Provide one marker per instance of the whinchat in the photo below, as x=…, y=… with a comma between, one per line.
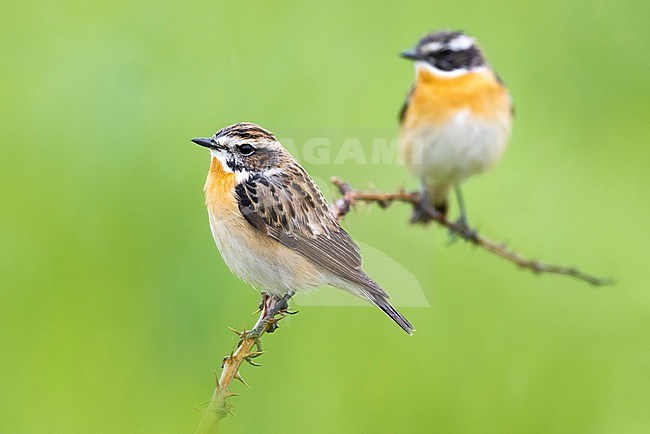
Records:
x=456, y=120
x=273, y=227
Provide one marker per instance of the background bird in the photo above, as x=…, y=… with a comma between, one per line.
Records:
x=456, y=120
x=272, y=225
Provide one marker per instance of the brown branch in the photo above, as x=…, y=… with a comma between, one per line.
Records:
x=247, y=349
x=350, y=197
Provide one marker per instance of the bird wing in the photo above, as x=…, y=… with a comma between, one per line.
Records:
x=405, y=106
x=290, y=208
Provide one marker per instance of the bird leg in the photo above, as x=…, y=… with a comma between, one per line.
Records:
x=267, y=322
x=421, y=211
x=272, y=306
x=461, y=206
x=462, y=224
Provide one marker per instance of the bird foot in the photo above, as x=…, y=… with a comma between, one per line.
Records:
x=461, y=229
x=422, y=212
x=420, y=216
x=273, y=310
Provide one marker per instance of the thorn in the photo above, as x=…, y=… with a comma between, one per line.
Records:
x=237, y=332
x=240, y=378
x=216, y=380
x=255, y=353
x=228, y=394
x=250, y=362
x=230, y=412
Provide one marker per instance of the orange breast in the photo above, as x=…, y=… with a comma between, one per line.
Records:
x=436, y=99
x=220, y=189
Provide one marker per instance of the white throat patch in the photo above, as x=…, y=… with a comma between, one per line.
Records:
x=446, y=74
x=222, y=159
x=240, y=176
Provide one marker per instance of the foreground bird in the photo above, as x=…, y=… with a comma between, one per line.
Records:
x=456, y=120
x=272, y=225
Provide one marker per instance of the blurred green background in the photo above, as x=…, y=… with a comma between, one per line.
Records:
x=115, y=302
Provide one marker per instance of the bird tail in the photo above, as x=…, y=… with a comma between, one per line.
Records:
x=389, y=310
x=373, y=292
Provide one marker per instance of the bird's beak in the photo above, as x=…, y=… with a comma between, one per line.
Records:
x=410, y=54
x=204, y=141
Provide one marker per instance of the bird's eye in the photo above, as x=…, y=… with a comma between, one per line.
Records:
x=246, y=149
x=445, y=52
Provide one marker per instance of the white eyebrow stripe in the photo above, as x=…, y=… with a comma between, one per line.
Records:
x=432, y=46
x=460, y=43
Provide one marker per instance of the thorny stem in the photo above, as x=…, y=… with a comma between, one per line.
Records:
x=350, y=197
x=248, y=347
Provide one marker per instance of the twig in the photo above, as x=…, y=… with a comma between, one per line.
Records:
x=350, y=197
x=218, y=408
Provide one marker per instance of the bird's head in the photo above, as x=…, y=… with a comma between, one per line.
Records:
x=245, y=148
x=451, y=52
